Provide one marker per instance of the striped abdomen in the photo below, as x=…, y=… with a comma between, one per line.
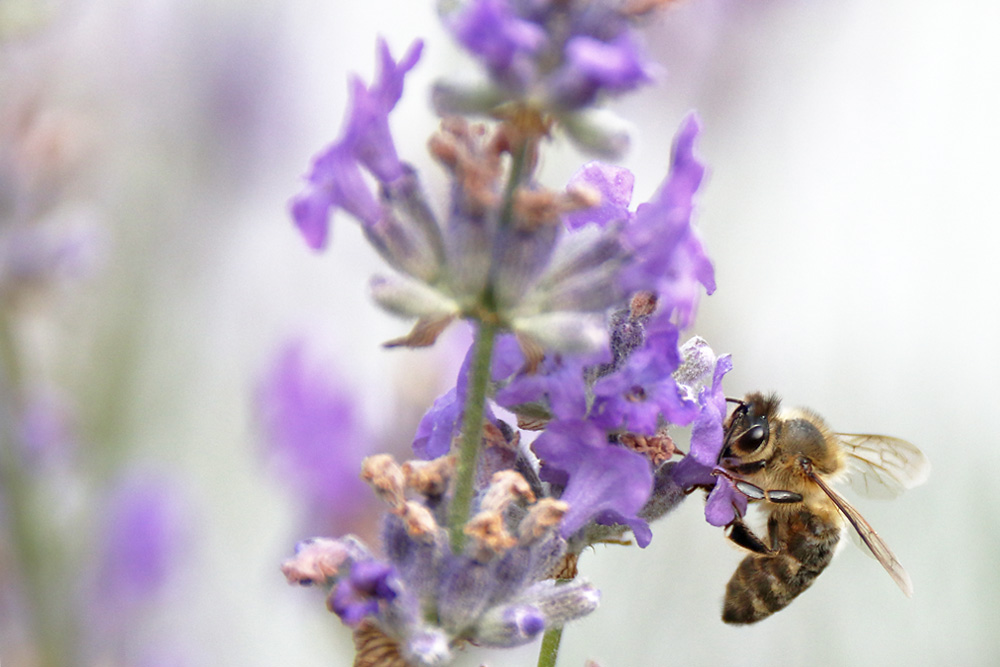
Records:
x=762, y=584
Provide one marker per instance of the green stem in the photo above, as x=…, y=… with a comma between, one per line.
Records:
x=550, y=647
x=472, y=434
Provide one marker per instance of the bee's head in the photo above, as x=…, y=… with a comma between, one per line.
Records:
x=748, y=429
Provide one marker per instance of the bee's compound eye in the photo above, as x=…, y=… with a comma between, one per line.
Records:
x=754, y=437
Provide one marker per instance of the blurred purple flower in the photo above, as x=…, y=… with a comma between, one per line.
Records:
x=336, y=180
x=314, y=433
x=38, y=254
x=145, y=522
x=45, y=426
x=504, y=41
x=603, y=482
x=559, y=55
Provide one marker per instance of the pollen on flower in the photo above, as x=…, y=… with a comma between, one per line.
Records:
x=657, y=448
x=386, y=477
x=642, y=304
x=429, y=478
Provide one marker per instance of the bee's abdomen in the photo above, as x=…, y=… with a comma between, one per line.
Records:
x=764, y=584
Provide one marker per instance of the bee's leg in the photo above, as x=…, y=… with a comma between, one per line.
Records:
x=741, y=535
x=783, y=497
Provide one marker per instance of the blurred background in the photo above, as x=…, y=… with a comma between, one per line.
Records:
x=154, y=289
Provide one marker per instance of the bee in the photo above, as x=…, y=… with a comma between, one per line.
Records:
x=785, y=460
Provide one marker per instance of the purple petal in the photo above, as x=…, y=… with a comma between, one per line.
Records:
x=491, y=30
x=724, y=503
x=599, y=478
x=593, y=66
x=335, y=179
x=615, y=186
x=438, y=427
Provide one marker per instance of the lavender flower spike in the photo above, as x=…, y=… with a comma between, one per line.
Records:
x=498, y=592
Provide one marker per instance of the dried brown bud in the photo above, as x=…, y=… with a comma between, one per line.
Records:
x=543, y=517
x=533, y=351
x=657, y=448
x=424, y=333
x=493, y=436
x=420, y=523
x=386, y=477
x=642, y=304
x=566, y=567
x=506, y=486
x=490, y=535
x=315, y=562
x=430, y=478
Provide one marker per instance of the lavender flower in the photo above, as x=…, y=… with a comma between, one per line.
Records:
x=578, y=302
x=554, y=59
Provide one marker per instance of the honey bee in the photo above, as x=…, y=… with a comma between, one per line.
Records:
x=784, y=461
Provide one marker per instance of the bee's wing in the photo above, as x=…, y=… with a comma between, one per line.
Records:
x=879, y=466
x=883, y=554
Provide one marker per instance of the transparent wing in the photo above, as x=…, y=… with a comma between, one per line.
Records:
x=878, y=548
x=879, y=466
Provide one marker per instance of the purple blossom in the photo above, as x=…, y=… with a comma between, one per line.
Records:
x=335, y=180
x=636, y=396
x=506, y=43
x=358, y=595
x=497, y=592
x=45, y=426
x=558, y=384
x=313, y=433
x=562, y=56
x=602, y=482
x=668, y=257
x=724, y=502
x=593, y=66
x=442, y=422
